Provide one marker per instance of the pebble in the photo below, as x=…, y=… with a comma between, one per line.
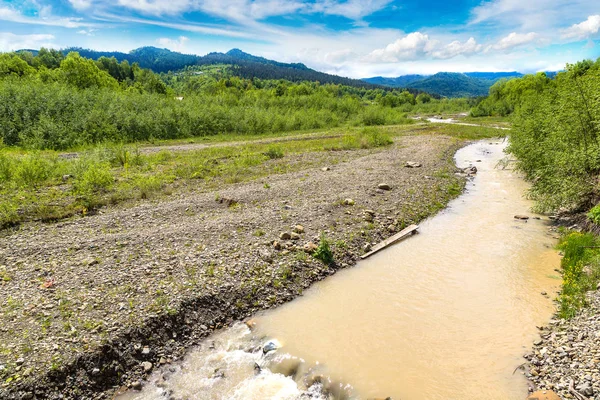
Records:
x=299, y=229
x=137, y=385
x=521, y=217
x=310, y=247
x=413, y=164
x=147, y=365
x=568, y=353
x=285, y=236
x=384, y=186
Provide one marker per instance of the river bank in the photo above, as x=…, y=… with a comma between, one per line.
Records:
x=93, y=304
x=566, y=358
x=441, y=315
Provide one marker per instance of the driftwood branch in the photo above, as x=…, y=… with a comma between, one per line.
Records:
x=575, y=393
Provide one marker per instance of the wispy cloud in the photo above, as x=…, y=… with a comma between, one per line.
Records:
x=531, y=14
x=44, y=18
x=457, y=48
x=584, y=30
x=173, y=44
x=10, y=42
x=515, y=39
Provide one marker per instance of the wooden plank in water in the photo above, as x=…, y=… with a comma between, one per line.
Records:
x=391, y=240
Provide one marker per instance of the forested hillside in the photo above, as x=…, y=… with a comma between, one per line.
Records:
x=243, y=65
x=468, y=84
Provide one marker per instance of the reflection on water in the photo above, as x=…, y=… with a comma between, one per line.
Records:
x=446, y=314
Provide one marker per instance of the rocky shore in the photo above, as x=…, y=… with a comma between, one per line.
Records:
x=92, y=305
x=566, y=358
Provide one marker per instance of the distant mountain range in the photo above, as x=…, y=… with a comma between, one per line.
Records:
x=449, y=84
x=245, y=65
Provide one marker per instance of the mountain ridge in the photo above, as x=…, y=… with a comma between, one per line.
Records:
x=448, y=84
x=246, y=65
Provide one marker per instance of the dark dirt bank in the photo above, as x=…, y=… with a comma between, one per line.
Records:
x=93, y=304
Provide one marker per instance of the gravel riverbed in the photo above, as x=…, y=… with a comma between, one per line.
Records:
x=95, y=303
x=566, y=358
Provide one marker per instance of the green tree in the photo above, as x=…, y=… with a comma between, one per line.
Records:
x=83, y=73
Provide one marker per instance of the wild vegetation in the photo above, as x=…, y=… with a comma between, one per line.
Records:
x=50, y=101
x=555, y=138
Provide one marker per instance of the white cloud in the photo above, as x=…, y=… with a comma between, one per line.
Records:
x=205, y=29
x=158, y=7
x=457, y=48
x=418, y=45
x=10, y=42
x=173, y=44
x=81, y=4
x=340, y=56
x=87, y=32
x=515, y=39
x=409, y=47
x=352, y=9
x=532, y=15
x=246, y=11
x=8, y=14
x=583, y=30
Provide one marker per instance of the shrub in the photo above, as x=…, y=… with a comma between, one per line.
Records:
x=366, y=138
x=274, y=152
x=581, y=271
x=593, y=215
x=323, y=251
x=6, y=168
x=97, y=177
x=33, y=170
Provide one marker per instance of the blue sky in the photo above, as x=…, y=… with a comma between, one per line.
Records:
x=346, y=37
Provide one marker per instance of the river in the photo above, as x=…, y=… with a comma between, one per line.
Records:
x=445, y=314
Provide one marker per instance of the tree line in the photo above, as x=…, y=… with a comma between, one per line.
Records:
x=556, y=133
x=54, y=101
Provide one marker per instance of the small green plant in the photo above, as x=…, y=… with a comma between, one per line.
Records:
x=6, y=168
x=594, y=214
x=96, y=178
x=33, y=170
x=259, y=233
x=323, y=252
x=274, y=152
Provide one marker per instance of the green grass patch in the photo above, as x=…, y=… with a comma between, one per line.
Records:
x=47, y=186
x=581, y=271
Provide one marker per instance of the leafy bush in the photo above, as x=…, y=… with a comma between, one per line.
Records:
x=323, y=251
x=32, y=170
x=6, y=168
x=556, y=136
x=366, y=138
x=97, y=177
x=274, y=152
x=594, y=214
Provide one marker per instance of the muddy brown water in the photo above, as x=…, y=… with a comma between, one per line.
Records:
x=445, y=314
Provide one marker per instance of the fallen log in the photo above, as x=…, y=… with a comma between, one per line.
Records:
x=406, y=232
